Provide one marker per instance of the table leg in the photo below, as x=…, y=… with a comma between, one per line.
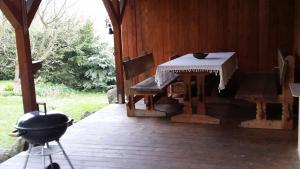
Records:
x=201, y=94
x=200, y=116
x=187, y=109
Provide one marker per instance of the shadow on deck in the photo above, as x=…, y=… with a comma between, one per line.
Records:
x=109, y=139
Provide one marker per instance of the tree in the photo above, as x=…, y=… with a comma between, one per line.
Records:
x=83, y=62
x=97, y=59
x=7, y=49
x=72, y=54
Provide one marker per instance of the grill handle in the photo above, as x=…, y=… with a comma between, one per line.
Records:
x=44, y=106
x=16, y=133
x=70, y=122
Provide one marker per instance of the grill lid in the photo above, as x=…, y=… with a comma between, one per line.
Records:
x=38, y=120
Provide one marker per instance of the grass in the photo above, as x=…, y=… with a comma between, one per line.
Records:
x=58, y=97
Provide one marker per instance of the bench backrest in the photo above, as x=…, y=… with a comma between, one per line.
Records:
x=286, y=65
x=282, y=67
x=137, y=66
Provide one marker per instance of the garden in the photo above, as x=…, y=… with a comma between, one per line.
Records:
x=78, y=68
x=75, y=104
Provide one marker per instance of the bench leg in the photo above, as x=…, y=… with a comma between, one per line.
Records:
x=262, y=122
x=260, y=110
x=148, y=101
x=132, y=111
x=130, y=106
x=287, y=121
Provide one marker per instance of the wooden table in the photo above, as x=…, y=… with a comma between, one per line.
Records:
x=295, y=89
x=187, y=66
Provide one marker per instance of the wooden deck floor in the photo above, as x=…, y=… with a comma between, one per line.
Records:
x=109, y=139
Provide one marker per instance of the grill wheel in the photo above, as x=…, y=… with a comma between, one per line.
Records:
x=53, y=166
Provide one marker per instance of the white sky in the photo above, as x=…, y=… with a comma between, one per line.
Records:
x=94, y=10
x=88, y=9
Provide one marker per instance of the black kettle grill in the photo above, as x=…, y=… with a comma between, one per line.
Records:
x=38, y=129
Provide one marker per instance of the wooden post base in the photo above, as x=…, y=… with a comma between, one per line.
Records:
x=267, y=124
x=195, y=118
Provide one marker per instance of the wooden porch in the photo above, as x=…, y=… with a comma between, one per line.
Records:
x=109, y=139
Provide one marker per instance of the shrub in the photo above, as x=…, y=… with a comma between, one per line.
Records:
x=83, y=63
x=7, y=50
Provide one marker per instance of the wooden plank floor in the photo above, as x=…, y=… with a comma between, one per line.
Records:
x=109, y=139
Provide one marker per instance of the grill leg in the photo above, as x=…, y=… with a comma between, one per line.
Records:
x=66, y=156
x=50, y=158
x=43, y=157
x=27, y=156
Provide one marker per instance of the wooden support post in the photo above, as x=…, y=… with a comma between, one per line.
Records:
x=25, y=60
x=116, y=13
x=20, y=14
x=25, y=67
x=119, y=63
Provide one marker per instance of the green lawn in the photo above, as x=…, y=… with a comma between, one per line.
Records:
x=72, y=103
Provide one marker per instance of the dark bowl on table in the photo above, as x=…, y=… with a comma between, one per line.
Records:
x=200, y=55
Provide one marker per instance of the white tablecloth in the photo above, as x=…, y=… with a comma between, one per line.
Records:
x=222, y=63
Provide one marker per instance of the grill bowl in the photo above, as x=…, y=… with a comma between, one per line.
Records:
x=38, y=128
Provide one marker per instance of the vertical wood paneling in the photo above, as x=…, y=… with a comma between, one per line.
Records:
x=125, y=34
x=174, y=26
x=132, y=38
x=264, y=34
x=193, y=26
x=203, y=25
x=232, y=25
x=139, y=25
x=158, y=31
x=297, y=30
x=252, y=28
x=217, y=12
x=167, y=30
x=248, y=35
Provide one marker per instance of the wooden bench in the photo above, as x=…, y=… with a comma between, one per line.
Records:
x=264, y=88
x=146, y=89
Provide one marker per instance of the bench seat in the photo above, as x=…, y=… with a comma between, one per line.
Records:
x=258, y=86
x=150, y=86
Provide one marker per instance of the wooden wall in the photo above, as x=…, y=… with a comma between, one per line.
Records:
x=297, y=30
x=252, y=28
x=297, y=54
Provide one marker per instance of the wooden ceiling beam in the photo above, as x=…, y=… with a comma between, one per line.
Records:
x=116, y=5
x=29, y=4
x=32, y=7
x=114, y=17
x=123, y=4
x=12, y=13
